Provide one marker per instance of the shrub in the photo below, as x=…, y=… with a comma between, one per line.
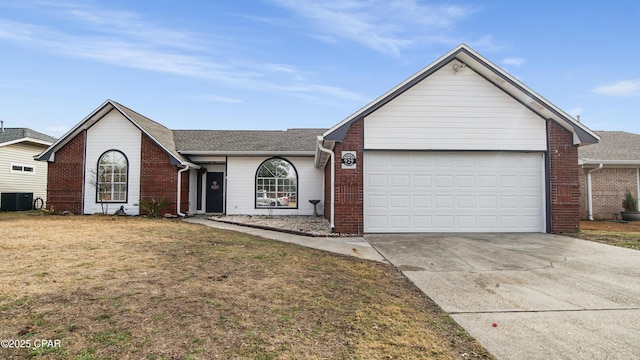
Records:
x=154, y=207
x=630, y=203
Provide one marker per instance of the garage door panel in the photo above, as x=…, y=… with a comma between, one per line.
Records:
x=458, y=191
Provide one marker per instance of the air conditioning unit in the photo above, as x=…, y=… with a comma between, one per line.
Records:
x=16, y=201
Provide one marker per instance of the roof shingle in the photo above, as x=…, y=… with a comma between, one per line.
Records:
x=11, y=134
x=246, y=140
x=613, y=145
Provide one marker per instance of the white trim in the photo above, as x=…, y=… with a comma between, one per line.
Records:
x=26, y=139
x=590, y=190
x=638, y=181
x=332, y=155
x=609, y=162
x=23, y=166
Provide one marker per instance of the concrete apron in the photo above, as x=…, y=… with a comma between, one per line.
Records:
x=551, y=297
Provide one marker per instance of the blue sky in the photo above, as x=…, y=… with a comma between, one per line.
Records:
x=277, y=64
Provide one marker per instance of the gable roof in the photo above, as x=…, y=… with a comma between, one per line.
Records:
x=10, y=136
x=489, y=71
x=238, y=142
x=615, y=147
x=161, y=135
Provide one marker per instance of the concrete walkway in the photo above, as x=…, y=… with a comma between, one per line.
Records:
x=351, y=246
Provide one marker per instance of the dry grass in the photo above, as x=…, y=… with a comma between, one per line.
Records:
x=134, y=288
x=611, y=233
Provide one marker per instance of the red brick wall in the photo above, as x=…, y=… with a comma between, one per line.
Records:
x=609, y=186
x=158, y=178
x=565, y=187
x=65, y=177
x=349, y=183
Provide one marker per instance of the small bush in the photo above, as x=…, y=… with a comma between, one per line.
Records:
x=154, y=207
x=630, y=203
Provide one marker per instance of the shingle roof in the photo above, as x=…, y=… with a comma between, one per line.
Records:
x=11, y=134
x=157, y=131
x=613, y=145
x=246, y=140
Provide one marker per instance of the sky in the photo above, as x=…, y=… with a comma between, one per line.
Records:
x=279, y=64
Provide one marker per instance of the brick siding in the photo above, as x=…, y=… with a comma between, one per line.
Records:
x=158, y=178
x=609, y=186
x=65, y=177
x=349, y=187
x=565, y=187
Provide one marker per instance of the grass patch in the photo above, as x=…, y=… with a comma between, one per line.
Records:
x=611, y=233
x=130, y=287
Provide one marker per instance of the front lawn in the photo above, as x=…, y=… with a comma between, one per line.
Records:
x=110, y=287
x=611, y=233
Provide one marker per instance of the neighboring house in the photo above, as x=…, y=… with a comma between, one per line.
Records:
x=607, y=170
x=459, y=146
x=19, y=172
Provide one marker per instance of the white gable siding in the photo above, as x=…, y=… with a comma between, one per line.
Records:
x=113, y=132
x=22, y=154
x=454, y=111
x=241, y=191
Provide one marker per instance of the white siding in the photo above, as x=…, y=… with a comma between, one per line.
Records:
x=22, y=154
x=453, y=192
x=193, y=190
x=241, y=172
x=454, y=111
x=113, y=132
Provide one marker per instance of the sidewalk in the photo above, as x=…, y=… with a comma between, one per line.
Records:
x=351, y=246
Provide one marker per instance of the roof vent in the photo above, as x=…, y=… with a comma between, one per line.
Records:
x=1, y=125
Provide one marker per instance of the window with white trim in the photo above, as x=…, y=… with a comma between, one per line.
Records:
x=19, y=168
x=111, y=185
x=276, y=184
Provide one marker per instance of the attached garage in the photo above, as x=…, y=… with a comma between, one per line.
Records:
x=453, y=191
x=460, y=146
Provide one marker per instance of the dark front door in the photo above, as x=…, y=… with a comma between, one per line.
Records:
x=215, y=192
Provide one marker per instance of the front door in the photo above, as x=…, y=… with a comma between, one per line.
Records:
x=215, y=192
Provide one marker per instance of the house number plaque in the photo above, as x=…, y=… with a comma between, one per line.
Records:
x=348, y=159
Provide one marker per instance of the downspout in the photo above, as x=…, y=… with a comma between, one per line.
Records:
x=590, y=190
x=332, y=155
x=186, y=167
x=638, y=180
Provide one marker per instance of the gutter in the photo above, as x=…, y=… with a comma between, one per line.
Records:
x=247, y=153
x=590, y=190
x=333, y=181
x=187, y=166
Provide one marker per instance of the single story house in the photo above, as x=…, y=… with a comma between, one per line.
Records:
x=20, y=174
x=607, y=170
x=459, y=146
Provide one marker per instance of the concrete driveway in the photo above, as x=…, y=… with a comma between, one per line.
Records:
x=552, y=297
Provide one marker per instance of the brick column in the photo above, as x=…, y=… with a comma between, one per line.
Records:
x=349, y=186
x=565, y=187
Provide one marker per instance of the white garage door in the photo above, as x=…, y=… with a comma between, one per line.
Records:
x=453, y=192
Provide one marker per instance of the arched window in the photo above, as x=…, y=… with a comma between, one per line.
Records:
x=112, y=177
x=276, y=184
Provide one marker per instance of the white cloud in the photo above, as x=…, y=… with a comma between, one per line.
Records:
x=385, y=26
x=132, y=41
x=623, y=88
x=513, y=61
